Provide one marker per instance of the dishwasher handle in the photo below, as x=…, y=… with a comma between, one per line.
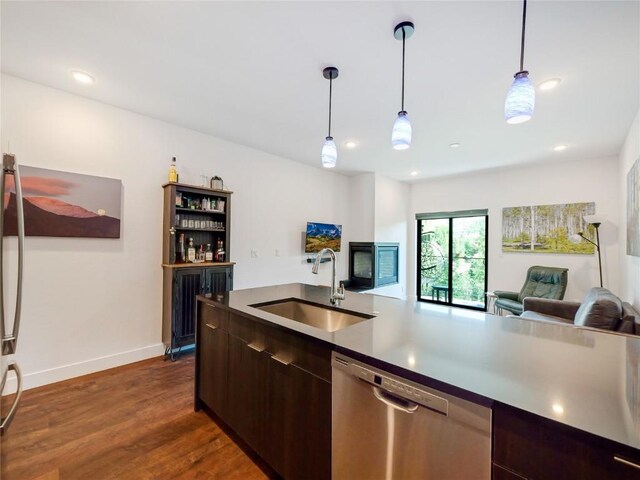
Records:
x=393, y=401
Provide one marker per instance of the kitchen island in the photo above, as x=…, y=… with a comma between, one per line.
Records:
x=541, y=380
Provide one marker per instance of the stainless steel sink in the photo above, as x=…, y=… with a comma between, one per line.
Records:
x=319, y=316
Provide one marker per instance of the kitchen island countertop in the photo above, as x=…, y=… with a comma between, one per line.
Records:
x=579, y=377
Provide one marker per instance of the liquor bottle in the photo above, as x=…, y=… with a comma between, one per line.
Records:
x=201, y=254
x=208, y=255
x=181, y=252
x=173, y=171
x=220, y=251
x=191, y=252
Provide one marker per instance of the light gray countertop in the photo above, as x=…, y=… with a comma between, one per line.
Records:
x=583, y=378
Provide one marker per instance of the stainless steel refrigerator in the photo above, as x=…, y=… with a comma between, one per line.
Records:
x=8, y=332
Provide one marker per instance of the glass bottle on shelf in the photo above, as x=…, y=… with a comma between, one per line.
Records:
x=181, y=253
x=219, y=256
x=173, y=171
x=208, y=254
x=191, y=251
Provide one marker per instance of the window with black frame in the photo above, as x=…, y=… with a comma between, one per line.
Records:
x=452, y=258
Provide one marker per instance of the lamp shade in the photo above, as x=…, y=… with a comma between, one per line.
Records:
x=521, y=99
x=329, y=153
x=401, y=134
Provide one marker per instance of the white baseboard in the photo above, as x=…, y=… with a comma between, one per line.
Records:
x=65, y=372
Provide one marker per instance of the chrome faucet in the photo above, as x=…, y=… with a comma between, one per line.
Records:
x=336, y=294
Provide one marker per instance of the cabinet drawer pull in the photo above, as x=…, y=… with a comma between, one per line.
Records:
x=257, y=348
x=212, y=327
x=626, y=462
x=280, y=360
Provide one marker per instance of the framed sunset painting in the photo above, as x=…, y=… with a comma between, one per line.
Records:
x=63, y=204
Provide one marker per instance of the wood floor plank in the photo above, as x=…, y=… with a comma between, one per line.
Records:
x=132, y=422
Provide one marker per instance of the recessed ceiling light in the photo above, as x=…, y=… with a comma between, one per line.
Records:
x=454, y=145
x=560, y=148
x=550, y=84
x=351, y=144
x=414, y=173
x=82, y=77
x=557, y=408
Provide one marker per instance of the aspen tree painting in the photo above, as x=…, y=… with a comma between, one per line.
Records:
x=547, y=228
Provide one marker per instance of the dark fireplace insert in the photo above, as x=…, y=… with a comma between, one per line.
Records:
x=372, y=264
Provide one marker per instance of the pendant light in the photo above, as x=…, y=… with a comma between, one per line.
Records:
x=401, y=134
x=329, y=151
x=521, y=99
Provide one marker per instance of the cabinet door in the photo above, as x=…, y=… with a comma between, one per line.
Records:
x=537, y=448
x=218, y=279
x=212, y=366
x=246, y=395
x=188, y=284
x=298, y=441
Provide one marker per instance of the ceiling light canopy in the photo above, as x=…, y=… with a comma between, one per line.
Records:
x=560, y=148
x=549, y=84
x=329, y=150
x=521, y=99
x=414, y=173
x=401, y=134
x=82, y=77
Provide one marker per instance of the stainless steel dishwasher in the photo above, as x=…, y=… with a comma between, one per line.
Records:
x=386, y=427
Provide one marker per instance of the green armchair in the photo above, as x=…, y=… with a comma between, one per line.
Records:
x=541, y=282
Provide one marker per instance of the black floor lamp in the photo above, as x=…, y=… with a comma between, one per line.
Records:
x=596, y=225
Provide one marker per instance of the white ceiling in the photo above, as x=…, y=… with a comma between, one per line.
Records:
x=251, y=72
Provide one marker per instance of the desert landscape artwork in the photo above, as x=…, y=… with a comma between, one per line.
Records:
x=63, y=204
x=547, y=228
x=633, y=210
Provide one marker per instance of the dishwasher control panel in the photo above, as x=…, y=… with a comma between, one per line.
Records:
x=395, y=386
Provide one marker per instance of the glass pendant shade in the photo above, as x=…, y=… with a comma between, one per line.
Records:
x=329, y=153
x=401, y=134
x=521, y=99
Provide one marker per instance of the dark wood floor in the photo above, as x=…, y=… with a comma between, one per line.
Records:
x=132, y=422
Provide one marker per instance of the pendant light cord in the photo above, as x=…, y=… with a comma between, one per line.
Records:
x=403, y=40
x=330, y=94
x=524, y=22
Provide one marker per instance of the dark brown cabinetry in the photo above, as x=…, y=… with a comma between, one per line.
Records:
x=531, y=447
x=207, y=224
x=247, y=384
x=299, y=418
x=277, y=391
x=213, y=357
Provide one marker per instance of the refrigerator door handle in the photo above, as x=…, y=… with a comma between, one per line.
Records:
x=2, y=180
x=6, y=421
x=10, y=167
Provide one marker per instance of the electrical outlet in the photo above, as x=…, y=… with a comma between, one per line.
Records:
x=254, y=254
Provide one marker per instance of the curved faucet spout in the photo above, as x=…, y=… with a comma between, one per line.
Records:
x=321, y=254
x=335, y=294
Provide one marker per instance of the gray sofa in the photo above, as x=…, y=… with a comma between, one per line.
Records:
x=600, y=309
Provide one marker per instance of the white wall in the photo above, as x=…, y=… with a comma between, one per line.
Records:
x=593, y=180
x=391, y=206
x=629, y=265
x=362, y=195
x=91, y=304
